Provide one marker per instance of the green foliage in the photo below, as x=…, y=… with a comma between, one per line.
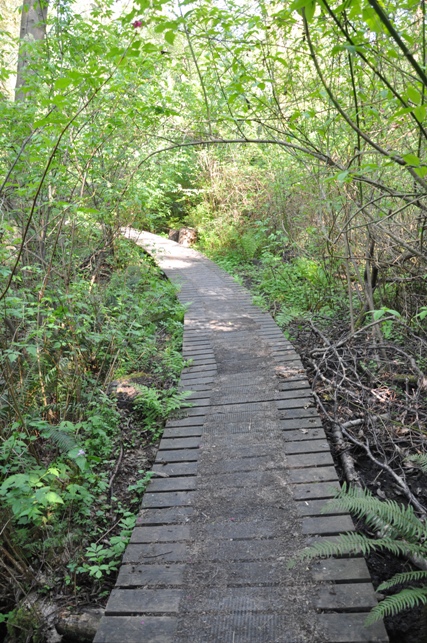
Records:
x=402, y=534
x=60, y=430
x=103, y=560
x=156, y=406
x=295, y=289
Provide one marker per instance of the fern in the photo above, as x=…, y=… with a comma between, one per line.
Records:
x=64, y=441
x=402, y=533
x=403, y=578
x=421, y=460
x=353, y=543
x=390, y=605
x=389, y=517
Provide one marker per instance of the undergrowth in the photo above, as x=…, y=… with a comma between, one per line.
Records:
x=61, y=432
x=289, y=286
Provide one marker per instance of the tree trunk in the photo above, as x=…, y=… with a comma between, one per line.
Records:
x=33, y=28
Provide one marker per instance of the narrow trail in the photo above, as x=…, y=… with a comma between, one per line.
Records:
x=241, y=478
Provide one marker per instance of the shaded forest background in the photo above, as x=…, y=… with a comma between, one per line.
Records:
x=292, y=137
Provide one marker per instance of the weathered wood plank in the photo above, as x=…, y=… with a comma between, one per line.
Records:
x=167, y=499
x=183, y=431
x=350, y=628
x=172, y=484
x=296, y=403
x=179, y=443
x=317, y=459
x=165, y=516
x=297, y=413
x=164, y=533
x=283, y=393
x=317, y=490
x=315, y=474
x=133, y=629
x=351, y=597
x=141, y=601
x=327, y=525
x=178, y=455
x=190, y=421
x=150, y=575
x=340, y=570
x=298, y=435
x=301, y=423
x=157, y=553
x=317, y=508
x=176, y=468
x=306, y=446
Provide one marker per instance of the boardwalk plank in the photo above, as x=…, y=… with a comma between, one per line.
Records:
x=165, y=533
x=167, y=499
x=165, y=516
x=350, y=597
x=176, y=469
x=306, y=446
x=157, y=553
x=315, y=474
x=178, y=455
x=327, y=525
x=181, y=483
x=133, y=629
x=317, y=459
x=340, y=570
x=142, y=601
x=349, y=628
x=151, y=575
x=179, y=443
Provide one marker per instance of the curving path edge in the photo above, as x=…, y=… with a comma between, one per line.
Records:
x=240, y=480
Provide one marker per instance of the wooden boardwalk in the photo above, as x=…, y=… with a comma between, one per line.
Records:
x=241, y=479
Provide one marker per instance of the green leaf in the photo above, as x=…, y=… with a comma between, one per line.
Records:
x=53, y=498
x=342, y=176
x=377, y=314
x=299, y=4
x=372, y=20
x=170, y=37
x=337, y=49
x=413, y=95
x=63, y=83
x=420, y=112
x=411, y=159
x=309, y=10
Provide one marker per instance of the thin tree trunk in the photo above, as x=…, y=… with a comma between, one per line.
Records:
x=33, y=27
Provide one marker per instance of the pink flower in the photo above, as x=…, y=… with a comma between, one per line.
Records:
x=136, y=24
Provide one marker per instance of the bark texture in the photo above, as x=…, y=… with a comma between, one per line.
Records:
x=33, y=28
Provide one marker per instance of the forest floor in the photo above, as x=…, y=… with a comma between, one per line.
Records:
x=390, y=397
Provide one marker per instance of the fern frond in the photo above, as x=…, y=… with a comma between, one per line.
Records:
x=354, y=543
x=350, y=543
x=406, y=599
x=64, y=441
x=403, y=578
x=421, y=460
x=395, y=519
